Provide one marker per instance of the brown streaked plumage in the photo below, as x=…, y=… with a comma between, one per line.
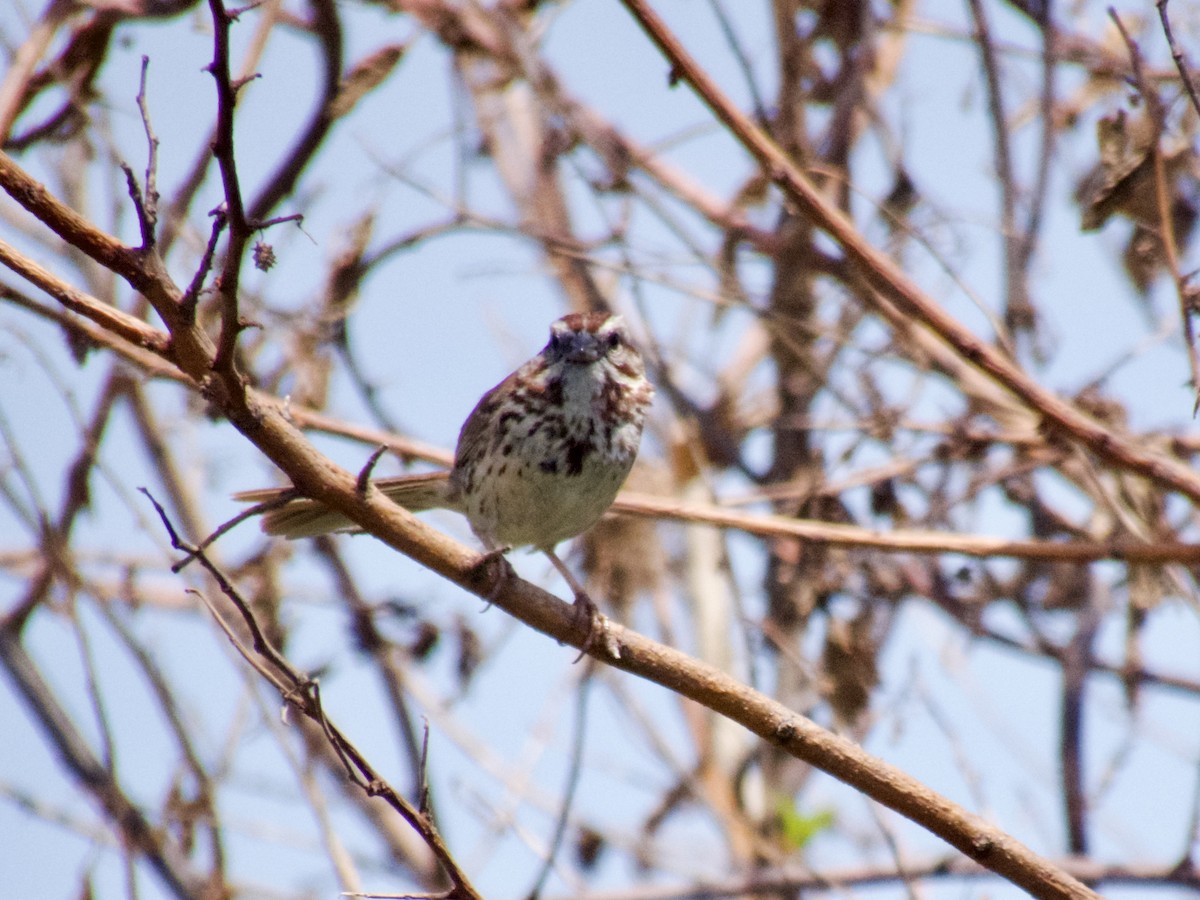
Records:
x=541, y=456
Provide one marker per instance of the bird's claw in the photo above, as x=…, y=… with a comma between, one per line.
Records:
x=597, y=628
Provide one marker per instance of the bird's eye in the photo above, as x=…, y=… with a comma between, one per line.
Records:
x=614, y=340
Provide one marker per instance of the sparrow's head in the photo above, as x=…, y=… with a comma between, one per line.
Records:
x=587, y=338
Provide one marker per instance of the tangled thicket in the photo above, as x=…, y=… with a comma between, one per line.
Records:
x=916, y=296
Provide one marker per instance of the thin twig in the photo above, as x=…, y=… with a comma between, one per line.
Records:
x=262, y=645
x=326, y=28
x=148, y=213
x=1181, y=62
x=302, y=694
x=223, y=150
x=575, y=767
x=1163, y=199
x=1018, y=311
x=227, y=526
x=904, y=540
x=298, y=218
x=191, y=296
x=363, y=481
x=1076, y=661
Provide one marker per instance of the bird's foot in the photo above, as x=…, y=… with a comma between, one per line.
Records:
x=597, y=628
x=597, y=625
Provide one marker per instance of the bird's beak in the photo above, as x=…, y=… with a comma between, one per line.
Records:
x=584, y=349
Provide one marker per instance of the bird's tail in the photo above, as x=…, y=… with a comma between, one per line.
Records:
x=303, y=518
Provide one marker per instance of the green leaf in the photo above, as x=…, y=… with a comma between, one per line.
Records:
x=798, y=829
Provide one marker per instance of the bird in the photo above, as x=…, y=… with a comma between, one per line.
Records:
x=540, y=458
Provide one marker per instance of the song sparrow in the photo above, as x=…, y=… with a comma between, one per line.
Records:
x=541, y=456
